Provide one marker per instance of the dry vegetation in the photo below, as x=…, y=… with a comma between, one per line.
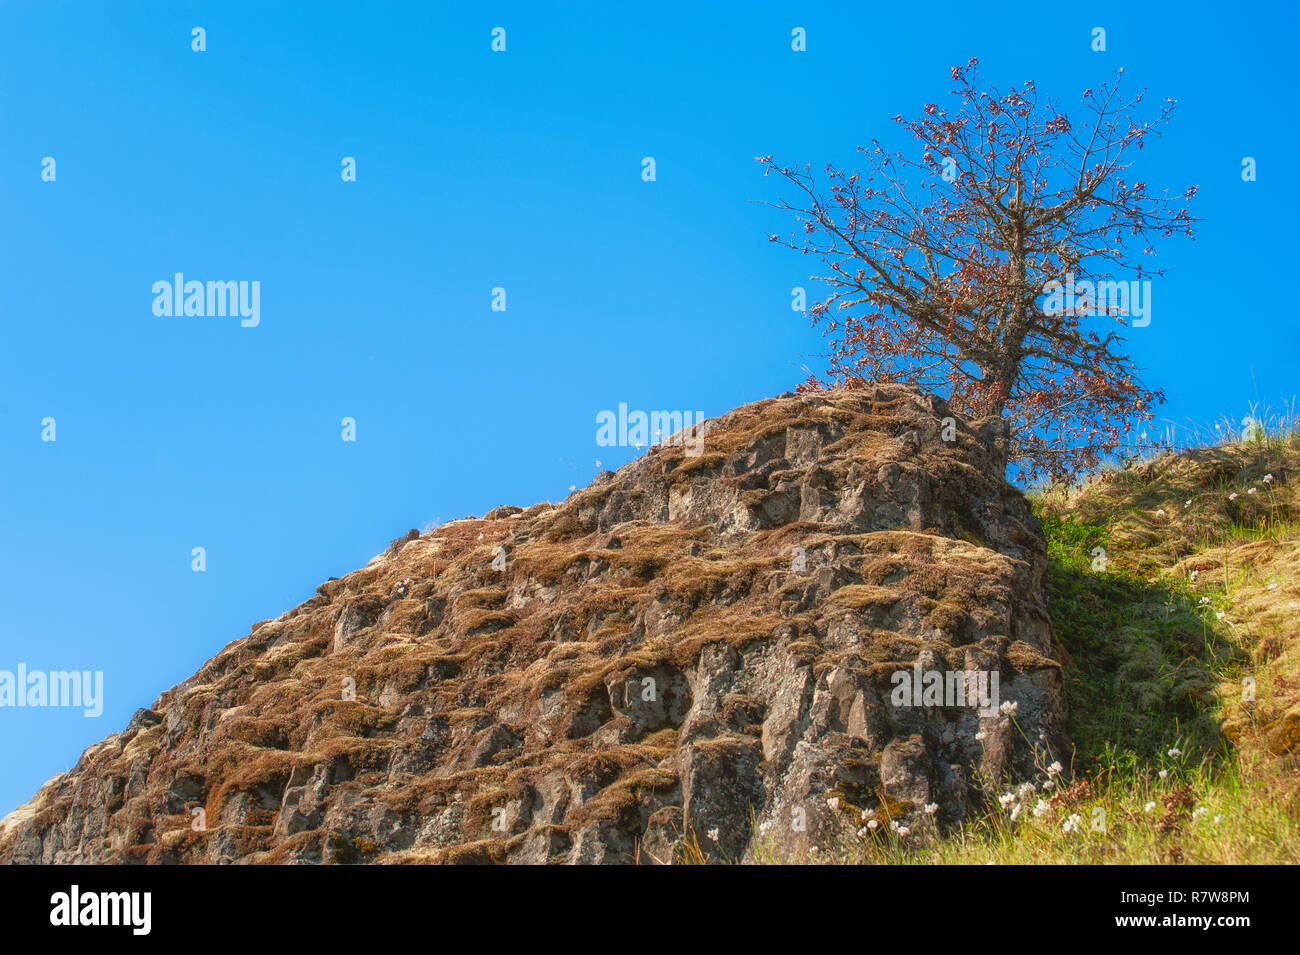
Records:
x=428, y=689
x=1175, y=599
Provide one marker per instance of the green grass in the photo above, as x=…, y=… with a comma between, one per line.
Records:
x=1190, y=816
x=1143, y=658
x=1152, y=658
x=1168, y=582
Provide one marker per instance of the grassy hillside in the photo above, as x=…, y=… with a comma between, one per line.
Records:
x=1175, y=600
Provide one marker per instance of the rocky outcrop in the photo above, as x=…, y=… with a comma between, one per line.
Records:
x=697, y=656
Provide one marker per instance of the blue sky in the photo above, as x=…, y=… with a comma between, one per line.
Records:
x=478, y=170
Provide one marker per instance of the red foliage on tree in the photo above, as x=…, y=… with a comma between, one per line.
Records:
x=942, y=280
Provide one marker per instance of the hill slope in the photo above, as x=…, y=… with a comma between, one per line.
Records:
x=692, y=658
x=1175, y=599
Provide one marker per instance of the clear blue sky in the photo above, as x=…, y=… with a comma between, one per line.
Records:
x=475, y=170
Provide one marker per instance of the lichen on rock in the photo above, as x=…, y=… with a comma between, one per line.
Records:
x=697, y=652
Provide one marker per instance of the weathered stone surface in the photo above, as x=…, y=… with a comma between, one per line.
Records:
x=695, y=651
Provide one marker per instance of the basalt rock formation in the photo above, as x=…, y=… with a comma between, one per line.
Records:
x=696, y=656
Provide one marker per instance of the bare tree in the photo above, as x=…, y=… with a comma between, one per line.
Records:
x=1000, y=273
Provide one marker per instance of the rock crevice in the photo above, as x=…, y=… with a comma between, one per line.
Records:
x=699, y=652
